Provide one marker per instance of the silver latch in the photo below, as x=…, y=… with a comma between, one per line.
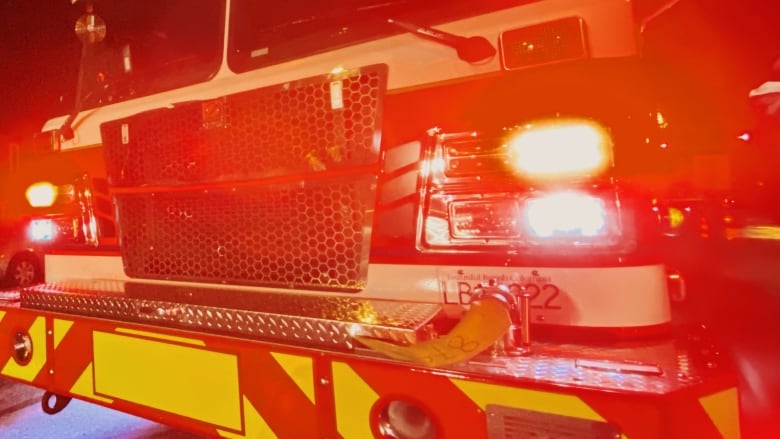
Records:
x=517, y=340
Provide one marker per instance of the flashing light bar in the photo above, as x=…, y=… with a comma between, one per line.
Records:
x=560, y=149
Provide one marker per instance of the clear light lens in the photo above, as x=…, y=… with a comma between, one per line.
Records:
x=42, y=230
x=566, y=214
x=560, y=149
x=432, y=166
x=437, y=231
x=485, y=219
x=405, y=420
x=41, y=194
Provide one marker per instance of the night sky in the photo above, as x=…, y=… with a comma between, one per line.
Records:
x=39, y=54
x=715, y=50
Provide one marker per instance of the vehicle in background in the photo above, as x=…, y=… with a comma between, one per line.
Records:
x=33, y=215
x=21, y=258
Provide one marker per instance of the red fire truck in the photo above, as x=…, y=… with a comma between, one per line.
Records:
x=395, y=219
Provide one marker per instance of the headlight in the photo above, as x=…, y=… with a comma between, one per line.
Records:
x=545, y=218
x=41, y=194
x=532, y=188
x=496, y=219
x=45, y=194
x=42, y=230
x=560, y=149
x=566, y=214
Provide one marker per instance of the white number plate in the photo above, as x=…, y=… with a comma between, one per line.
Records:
x=546, y=296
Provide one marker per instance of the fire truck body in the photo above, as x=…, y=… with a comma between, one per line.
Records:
x=629, y=288
x=346, y=221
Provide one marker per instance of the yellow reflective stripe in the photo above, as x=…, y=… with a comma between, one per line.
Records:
x=61, y=328
x=29, y=371
x=354, y=399
x=184, y=340
x=300, y=369
x=546, y=402
x=84, y=386
x=256, y=426
x=723, y=409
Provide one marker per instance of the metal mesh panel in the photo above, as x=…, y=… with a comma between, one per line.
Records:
x=311, y=125
x=273, y=235
x=273, y=186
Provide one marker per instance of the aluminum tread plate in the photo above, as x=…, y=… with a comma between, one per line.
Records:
x=312, y=320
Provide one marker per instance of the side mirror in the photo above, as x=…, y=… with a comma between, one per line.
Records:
x=766, y=97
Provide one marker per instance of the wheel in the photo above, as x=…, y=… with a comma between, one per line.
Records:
x=24, y=270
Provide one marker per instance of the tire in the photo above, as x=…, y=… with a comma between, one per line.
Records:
x=23, y=270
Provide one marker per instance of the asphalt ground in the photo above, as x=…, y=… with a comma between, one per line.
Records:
x=15, y=396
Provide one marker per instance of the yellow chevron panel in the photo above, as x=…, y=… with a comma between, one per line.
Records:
x=29, y=371
x=256, y=427
x=536, y=400
x=61, y=328
x=546, y=402
x=723, y=409
x=354, y=399
x=300, y=369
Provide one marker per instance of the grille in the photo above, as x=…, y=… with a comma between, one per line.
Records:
x=513, y=423
x=270, y=235
x=284, y=129
x=272, y=187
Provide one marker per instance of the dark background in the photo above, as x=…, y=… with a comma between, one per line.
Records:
x=713, y=51
x=39, y=55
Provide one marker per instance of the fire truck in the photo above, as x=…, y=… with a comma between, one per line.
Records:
x=395, y=219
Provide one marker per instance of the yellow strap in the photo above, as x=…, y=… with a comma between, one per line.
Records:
x=486, y=321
